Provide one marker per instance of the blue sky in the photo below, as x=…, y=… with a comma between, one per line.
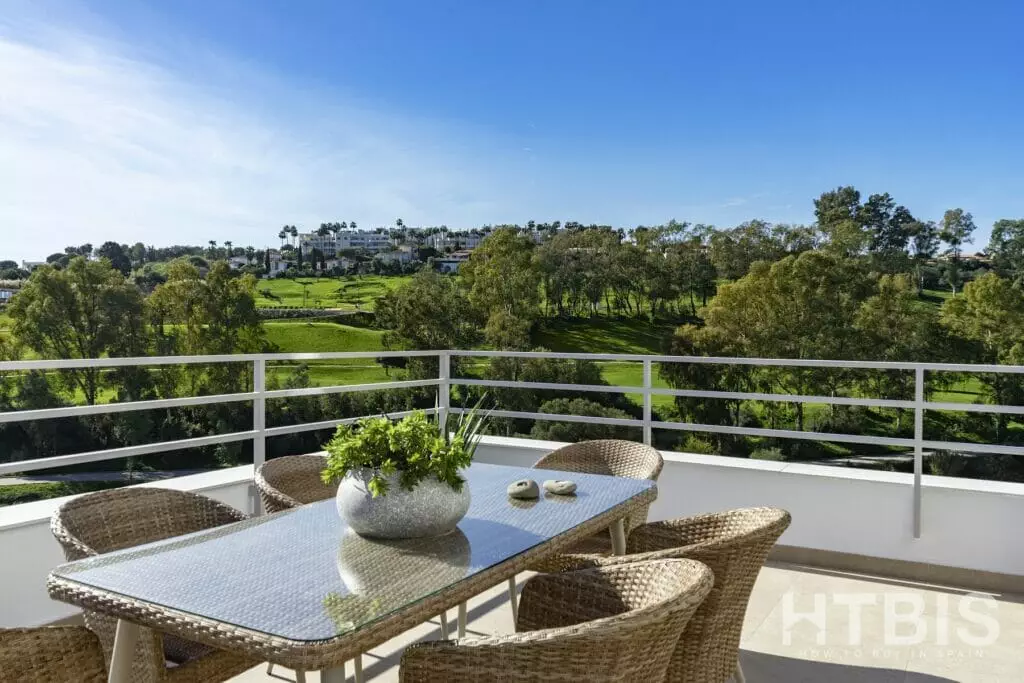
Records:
x=179, y=122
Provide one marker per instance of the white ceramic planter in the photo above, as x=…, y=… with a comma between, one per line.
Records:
x=431, y=509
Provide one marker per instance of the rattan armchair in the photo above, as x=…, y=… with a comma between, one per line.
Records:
x=53, y=654
x=611, y=457
x=735, y=545
x=121, y=518
x=605, y=456
x=618, y=623
x=293, y=480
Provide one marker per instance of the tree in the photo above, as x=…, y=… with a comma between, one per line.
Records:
x=800, y=307
x=115, y=253
x=507, y=332
x=8, y=265
x=428, y=312
x=1006, y=247
x=500, y=276
x=227, y=248
x=574, y=432
x=192, y=315
x=840, y=220
x=990, y=315
x=957, y=229
x=86, y=310
x=732, y=252
x=894, y=325
x=888, y=227
x=924, y=244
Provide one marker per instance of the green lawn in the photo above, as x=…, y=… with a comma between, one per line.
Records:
x=300, y=336
x=320, y=337
x=604, y=335
x=350, y=292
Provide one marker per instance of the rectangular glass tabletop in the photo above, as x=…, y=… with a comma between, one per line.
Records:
x=303, y=575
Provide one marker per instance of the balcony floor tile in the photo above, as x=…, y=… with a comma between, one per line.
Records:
x=880, y=653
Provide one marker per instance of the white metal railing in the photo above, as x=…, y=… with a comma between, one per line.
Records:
x=445, y=381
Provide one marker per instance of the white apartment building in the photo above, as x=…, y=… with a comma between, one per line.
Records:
x=366, y=240
x=455, y=239
x=326, y=244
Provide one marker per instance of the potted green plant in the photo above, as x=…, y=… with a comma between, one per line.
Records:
x=402, y=479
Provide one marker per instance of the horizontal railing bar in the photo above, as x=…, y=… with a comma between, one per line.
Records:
x=975, y=408
x=557, y=417
x=328, y=424
x=977, y=447
x=79, y=363
x=732, y=360
x=125, y=452
x=345, y=388
x=785, y=398
x=509, y=384
x=786, y=434
x=135, y=361
x=122, y=407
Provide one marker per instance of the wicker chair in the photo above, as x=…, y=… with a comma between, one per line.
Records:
x=121, y=518
x=54, y=654
x=735, y=545
x=617, y=623
x=292, y=480
x=606, y=456
x=612, y=457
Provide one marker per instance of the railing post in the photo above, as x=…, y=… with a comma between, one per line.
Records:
x=918, y=445
x=647, y=402
x=444, y=391
x=259, y=424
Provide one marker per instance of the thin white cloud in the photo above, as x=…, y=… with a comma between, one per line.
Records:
x=97, y=143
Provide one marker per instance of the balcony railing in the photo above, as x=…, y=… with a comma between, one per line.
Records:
x=445, y=381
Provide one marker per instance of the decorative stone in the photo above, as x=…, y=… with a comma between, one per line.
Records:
x=524, y=489
x=560, y=487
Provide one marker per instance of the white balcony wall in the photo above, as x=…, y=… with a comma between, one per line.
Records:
x=30, y=551
x=966, y=524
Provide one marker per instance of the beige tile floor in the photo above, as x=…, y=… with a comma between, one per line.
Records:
x=806, y=625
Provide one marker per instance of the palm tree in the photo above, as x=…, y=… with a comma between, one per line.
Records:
x=213, y=248
x=227, y=245
x=283, y=234
x=352, y=225
x=399, y=224
x=295, y=235
x=344, y=226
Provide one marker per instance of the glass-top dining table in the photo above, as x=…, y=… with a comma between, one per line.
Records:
x=299, y=588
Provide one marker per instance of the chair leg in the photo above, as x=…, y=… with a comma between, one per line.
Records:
x=740, y=678
x=335, y=675
x=300, y=676
x=463, y=617
x=358, y=664
x=512, y=595
x=270, y=669
x=444, y=626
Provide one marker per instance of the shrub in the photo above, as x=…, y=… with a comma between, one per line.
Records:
x=413, y=447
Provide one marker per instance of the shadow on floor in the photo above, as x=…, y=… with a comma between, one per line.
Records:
x=766, y=668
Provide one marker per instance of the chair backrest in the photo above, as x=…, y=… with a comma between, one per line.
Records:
x=121, y=518
x=735, y=545
x=612, y=457
x=293, y=480
x=55, y=654
x=618, y=623
x=105, y=521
